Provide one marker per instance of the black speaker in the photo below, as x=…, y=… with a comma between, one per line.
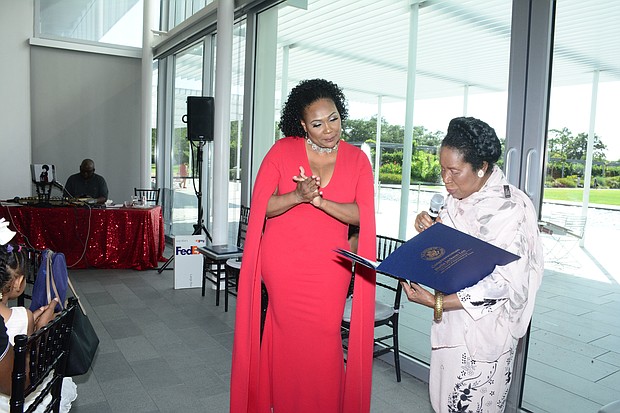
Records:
x=200, y=116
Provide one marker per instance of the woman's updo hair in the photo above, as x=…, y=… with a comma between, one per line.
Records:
x=304, y=94
x=475, y=140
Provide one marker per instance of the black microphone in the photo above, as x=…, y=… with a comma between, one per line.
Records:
x=436, y=204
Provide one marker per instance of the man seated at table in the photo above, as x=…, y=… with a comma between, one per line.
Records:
x=87, y=184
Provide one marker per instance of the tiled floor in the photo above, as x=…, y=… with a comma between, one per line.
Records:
x=166, y=350
x=169, y=350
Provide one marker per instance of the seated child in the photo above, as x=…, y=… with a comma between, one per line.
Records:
x=20, y=320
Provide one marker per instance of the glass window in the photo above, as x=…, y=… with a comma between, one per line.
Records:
x=154, y=154
x=573, y=357
x=236, y=117
x=462, y=58
x=188, y=69
x=181, y=10
x=117, y=22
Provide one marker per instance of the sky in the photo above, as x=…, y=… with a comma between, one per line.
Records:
x=569, y=107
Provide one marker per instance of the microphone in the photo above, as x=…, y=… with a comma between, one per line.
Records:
x=436, y=204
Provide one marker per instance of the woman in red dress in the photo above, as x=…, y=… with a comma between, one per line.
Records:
x=309, y=188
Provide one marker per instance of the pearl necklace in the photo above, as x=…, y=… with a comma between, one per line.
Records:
x=322, y=149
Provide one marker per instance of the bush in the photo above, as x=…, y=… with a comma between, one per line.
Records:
x=549, y=181
x=391, y=168
x=612, y=171
x=425, y=167
x=392, y=157
x=568, y=182
x=390, y=178
x=613, y=182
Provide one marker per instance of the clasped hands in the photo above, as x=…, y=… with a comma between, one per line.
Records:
x=308, y=188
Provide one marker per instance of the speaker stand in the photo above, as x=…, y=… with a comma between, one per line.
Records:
x=199, y=226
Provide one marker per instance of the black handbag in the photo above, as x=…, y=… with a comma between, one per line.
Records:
x=84, y=342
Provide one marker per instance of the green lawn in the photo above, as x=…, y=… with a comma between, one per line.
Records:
x=597, y=196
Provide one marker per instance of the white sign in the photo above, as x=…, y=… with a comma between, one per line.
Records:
x=188, y=261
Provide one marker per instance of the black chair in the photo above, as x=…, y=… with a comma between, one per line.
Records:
x=387, y=307
x=151, y=195
x=233, y=265
x=39, y=364
x=31, y=266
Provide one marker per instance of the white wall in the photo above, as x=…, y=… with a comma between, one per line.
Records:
x=15, y=30
x=87, y=105
x=60, y=106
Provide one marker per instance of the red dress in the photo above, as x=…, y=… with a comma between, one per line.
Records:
x=299, y=367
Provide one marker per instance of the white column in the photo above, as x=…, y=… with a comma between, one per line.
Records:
x=146, y=92
x=221, y=142
x=263, y=126
x=408, y=141
x=590, y=150
x=465, y=99
x=378, y=150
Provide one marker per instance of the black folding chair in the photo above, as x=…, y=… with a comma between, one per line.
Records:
x=387, y=307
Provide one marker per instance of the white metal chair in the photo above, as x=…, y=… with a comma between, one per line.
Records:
x=562, y=232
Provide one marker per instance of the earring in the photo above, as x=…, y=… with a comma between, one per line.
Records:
x=480, y=173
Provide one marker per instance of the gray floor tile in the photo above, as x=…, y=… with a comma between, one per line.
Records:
x=121, y=385
x=99, y=298
x=155, y=373
x=181, y=399
x=136, y=348
x=138, y=401
x=96, y=407
x=111, y=366
x=166, y=350
x=121, y=328
x=109, y=312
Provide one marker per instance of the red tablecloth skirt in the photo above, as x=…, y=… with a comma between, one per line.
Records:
x=97, y=237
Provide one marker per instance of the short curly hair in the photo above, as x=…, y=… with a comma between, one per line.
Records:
x=475, y=140
x=304, y=94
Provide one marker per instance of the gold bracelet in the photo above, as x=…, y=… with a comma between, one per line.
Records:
x=438, y=313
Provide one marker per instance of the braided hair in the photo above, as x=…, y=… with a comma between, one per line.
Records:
x=303, y=95
x=12, y=261
x=475, y=140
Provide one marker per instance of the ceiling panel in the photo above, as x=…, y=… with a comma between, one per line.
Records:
x=459, y=43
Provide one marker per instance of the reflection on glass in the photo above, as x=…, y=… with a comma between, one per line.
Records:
x=572, y=353
x=181, y=10
x=462, y=57
x=236, y=117
x=116, y=22
x=155, y=82
x=187, y=82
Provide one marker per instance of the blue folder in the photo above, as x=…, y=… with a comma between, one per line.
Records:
x=441, y=258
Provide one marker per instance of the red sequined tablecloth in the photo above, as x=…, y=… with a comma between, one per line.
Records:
x=97, y=237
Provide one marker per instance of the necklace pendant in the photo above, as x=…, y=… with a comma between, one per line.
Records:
x=321, y=149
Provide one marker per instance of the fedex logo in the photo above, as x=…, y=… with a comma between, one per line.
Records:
x=186, y=251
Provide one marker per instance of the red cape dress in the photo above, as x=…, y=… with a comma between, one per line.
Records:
x=299, y=367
